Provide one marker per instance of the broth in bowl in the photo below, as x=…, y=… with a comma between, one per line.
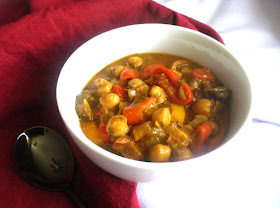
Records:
x=155, y=107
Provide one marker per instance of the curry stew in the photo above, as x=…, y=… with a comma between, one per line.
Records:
x=155, y=107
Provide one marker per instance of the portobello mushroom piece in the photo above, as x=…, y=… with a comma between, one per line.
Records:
x=220, y=93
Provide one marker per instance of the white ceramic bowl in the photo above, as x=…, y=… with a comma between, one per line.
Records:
x=112, y=45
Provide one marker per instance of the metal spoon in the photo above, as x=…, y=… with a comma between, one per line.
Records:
x=46, y=161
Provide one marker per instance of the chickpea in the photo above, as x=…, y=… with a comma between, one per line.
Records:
x=110, y=100
x=104, y=90
x=135, y=61
x=101, y=82
x=117, y=126
x=162, y=116
x=202, y=107
x=183, y=154
x=159, y=153
x=103, y=87
x=116, y=71
x=134, y=83
x=158, y=93
x=183, y=66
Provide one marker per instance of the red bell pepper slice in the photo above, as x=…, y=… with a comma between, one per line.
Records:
x=134, y=112
x=126, y=147
x=204, y=74
x=104, y=134
x=202, y=132
x=120, y=143
x=150, y=70
x=188, y=94
x=170, y=85
x=214, y=142
x=97, y=113
x=172, y=91
x=120, y=91
x=128, y=73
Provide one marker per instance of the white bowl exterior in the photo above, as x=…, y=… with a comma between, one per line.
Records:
x=112, y=45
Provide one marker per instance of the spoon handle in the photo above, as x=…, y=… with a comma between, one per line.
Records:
x=75, y=198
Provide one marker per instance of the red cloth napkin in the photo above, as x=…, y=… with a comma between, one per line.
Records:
x=36, y=38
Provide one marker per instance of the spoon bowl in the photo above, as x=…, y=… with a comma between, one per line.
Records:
x=45, y=160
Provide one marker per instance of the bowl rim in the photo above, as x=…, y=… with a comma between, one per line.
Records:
x=144, y=164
